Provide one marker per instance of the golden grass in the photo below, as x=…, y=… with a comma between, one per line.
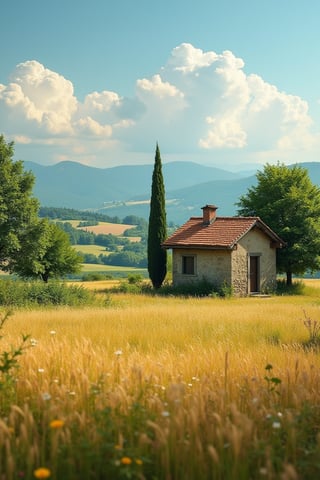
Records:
x=106, y=228
x=194, y=367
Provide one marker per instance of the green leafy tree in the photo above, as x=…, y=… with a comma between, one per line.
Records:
x=18, y=209
x=157, y=229
x=289, y=203
x=29, y=246
x=46, y=253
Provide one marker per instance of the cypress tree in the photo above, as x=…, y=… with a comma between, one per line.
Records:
x=157, y=233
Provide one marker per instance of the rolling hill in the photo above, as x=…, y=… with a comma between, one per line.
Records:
x=125, y=190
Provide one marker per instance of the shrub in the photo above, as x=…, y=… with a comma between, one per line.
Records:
x=135, y=278
x=19, y=294
x=128, y=287
x=197, y=289
x=96, y=276
x=297, y=288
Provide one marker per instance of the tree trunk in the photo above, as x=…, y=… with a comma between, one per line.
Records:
x=45, y=277
x=289, y=279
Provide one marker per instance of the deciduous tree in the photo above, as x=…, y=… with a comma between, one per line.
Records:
x=18, y=208
x=286, y=200
x=29, y=246
x=45, y=253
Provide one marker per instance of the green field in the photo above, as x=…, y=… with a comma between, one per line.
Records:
x=111, y=269
x=94, y=249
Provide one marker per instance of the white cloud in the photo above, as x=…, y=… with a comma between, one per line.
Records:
x=199, y=103
x=185, y=58
x=224, y=132
x=37, y=94
x=88, y=126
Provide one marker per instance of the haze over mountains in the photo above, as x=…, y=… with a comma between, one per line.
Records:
x=125, y=190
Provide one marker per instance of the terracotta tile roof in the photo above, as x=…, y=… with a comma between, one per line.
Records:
x=222, y=233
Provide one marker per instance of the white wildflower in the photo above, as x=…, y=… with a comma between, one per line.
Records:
x=46, y=396
x=165, y=413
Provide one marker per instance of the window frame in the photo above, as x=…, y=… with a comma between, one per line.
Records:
x=187, y=268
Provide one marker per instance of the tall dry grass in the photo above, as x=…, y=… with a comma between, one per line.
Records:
x=165, y=388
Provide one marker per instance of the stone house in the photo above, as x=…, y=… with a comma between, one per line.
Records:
x=239, y=252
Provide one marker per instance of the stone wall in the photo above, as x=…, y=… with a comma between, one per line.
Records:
x=255, y=243
x=213, y=266
x=230, y=267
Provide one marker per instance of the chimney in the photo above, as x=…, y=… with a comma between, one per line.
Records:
x=209, y=214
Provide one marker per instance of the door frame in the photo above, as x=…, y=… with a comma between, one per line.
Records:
x=254, y=272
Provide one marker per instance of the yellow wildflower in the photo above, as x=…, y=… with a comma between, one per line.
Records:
x=42, y=472
x=138, y=461
x=126, y=461
x=56, y=424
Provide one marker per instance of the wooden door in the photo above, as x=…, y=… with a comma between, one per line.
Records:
x=254, y=274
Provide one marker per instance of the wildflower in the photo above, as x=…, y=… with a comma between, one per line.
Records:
x=165, y=413
x=46, y=396
x=33, y=342
x=55, y=424
x=118, y=353
x=42, y=472
x=72, y=394
x=276, y=425
x=40, y=370
x=52, y=332
x=138, y=461
x=126, y=461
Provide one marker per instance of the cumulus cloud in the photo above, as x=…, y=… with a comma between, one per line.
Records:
x=197, y=102
x=38, y=95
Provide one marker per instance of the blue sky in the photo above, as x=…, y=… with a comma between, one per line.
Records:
x=222, y=83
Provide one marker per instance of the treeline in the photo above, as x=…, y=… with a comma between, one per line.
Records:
x=54, y=213
x=131, y=255
x=89, y=218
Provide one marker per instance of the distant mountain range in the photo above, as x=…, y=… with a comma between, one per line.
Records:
x=125, y=190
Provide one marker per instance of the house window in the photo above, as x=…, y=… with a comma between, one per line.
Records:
x=188, y=265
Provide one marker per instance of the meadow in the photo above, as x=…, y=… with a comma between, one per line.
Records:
x=164, y=388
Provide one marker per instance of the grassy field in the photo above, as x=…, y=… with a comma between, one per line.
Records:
x=161, y=388
x=113, y=270
x=102, y=227
x=94, y=249
x=106, y=228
